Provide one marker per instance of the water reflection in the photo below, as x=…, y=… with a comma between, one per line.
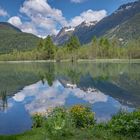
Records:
x=39, y=97
x=48, y=75
x=3, y=101
x=36, y=87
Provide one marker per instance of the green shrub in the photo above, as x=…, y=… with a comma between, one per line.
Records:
x=59, y=123
x=82, y=116
x=126, y=124
x=38, y=120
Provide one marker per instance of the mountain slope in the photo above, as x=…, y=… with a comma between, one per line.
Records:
x=12, y=38
x=128, y=30
x=64, y=35
x=118, y=18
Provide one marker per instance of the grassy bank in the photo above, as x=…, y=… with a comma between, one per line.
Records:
x=78, y=123
x=110, y=60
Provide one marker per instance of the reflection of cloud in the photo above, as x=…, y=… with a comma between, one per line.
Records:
x=19, y=97
x=90, y=97
x=45, y=97
x=52, y=97
x=31, y=90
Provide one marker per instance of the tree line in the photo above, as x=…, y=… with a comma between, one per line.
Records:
x=98, y=48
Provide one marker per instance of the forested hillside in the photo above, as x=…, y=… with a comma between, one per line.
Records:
x=12, y=39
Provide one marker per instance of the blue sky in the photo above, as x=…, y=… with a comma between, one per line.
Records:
x=43, y=17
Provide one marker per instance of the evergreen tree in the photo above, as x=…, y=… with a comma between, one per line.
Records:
x=94, y=41
x=73, y=43
x=40, y=45
x=94, y=47
x=49, y=48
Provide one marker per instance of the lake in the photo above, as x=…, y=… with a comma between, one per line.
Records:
x=27, y=88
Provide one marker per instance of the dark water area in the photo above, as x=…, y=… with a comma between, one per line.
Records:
x=27, y=88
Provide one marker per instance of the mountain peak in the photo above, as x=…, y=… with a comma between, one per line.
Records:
x=127, y=6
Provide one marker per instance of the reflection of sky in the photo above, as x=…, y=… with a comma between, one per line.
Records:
x=39, y=97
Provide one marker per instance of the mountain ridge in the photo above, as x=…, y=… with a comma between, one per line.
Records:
x=118, y=18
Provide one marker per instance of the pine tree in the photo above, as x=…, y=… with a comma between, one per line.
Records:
x=40, y=45
x=49, y=48
x=73, y=44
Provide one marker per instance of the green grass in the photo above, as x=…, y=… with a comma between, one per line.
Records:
x=34, y=134
x=81, y=134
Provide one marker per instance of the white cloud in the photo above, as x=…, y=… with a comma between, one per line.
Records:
x=27, y=27
x=77, y=1
x=15, y=21
x=88, y=16
x=42, y=19
x=3, y=13
x=43, y=16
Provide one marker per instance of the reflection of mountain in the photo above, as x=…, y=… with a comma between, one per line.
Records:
x=124, y=95
x=121, y=81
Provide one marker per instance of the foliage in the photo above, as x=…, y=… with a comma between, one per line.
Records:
x=59, y=123
x=62, y=122
x=126, y=123
x=38, y=120
x=47, y=48
x=82, y=116
x=73, y=43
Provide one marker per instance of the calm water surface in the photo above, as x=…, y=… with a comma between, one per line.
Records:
x=26, y=88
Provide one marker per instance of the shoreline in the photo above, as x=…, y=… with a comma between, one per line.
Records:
x=79, y=60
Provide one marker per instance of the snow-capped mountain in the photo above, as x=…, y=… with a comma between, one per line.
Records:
x=69, y=29
x=63, y=36
x=66, y=32
x=122, y=23
x=87, y=24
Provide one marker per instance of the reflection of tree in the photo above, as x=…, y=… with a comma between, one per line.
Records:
x=3, y=103
x=48, y=75
x=101, y=78
x=74, y=75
